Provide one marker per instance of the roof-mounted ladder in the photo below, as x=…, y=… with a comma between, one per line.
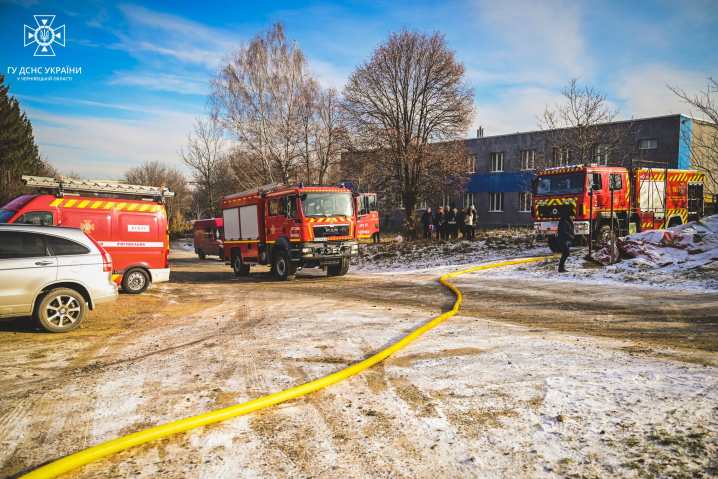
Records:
x=59, y=186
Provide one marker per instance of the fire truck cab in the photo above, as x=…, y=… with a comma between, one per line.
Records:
x=289, y=228
x=615, y=199
x=132, y=229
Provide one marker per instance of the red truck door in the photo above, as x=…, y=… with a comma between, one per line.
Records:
x=367, y=215
x=276, y=224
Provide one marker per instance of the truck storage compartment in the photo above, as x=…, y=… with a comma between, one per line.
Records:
x=249, y=222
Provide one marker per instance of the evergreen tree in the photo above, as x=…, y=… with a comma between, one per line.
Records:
x=19, y=155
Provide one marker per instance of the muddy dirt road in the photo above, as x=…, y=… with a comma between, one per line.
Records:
x=522, y=383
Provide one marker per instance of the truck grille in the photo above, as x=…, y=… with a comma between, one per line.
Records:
x=325, y=231
x=556, y=211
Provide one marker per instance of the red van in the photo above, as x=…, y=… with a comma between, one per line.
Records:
x=209, y=238
x=133, y=231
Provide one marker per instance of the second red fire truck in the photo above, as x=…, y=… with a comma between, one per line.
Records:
x=610, y=198
x=290, y=228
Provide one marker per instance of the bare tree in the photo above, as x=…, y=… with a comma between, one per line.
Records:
x=258, y=96
x=702, y=139
x=582, y=131
x=321, y=131
x=203, y=155
x=409, y=94
x=156, y=173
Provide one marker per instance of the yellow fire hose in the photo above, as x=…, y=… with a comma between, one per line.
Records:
x=94, y=453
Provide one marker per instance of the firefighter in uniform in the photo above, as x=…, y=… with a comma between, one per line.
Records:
x=565, y=236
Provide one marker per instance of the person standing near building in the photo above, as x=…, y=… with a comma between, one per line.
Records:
x=462, y=218
x=565, y=236
x=451, y=215
x=427, y=219
x=470, y=223
x=439, y=221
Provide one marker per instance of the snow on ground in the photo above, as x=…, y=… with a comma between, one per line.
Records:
x=498, y=245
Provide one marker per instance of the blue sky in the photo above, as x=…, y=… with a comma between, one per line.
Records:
x=145, y=65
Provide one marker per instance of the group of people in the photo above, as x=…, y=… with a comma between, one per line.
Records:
x=449, y=221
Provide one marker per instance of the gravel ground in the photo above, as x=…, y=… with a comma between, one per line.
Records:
x=536, y=377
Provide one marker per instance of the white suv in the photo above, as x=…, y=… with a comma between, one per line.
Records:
x=54, y=274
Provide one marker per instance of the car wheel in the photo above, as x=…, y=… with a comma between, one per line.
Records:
x=135, y=281
x=338, y=269
x=221, y=254
x=240, y=269
x=200, y=253
x=286, y=271
x=60, y=310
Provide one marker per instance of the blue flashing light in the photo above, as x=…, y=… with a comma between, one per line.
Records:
x=301, y=184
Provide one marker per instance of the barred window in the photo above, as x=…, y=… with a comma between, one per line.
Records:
x=525, y=201
x=496, y=202
x=497, y=162
x=528, y=159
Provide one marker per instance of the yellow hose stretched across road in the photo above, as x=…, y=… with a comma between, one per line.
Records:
x=94, y=453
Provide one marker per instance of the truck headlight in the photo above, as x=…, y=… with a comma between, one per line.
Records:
x=355, y=247
x=306, y=250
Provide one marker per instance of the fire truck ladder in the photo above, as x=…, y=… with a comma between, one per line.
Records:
x=651, y=194
x=259, y=189
x=60, y=187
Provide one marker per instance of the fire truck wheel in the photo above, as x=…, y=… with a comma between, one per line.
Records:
x=60, y=310
x=240, y=269
x=135, y=281
x=200, y=253
x=338, y=269
x=553, y=244
x=285, y=269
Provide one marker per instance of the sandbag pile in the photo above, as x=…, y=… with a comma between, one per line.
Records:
x=687, y=246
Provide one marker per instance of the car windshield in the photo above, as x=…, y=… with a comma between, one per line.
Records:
x=567, y=183
x=5, y=215
x=326, y=204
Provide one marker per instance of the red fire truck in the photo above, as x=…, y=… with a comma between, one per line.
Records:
x=134, y=231
x=367, y=216
x=289, y=228
x=643, y=197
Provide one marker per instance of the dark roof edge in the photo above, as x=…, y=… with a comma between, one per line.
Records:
x=612, y=123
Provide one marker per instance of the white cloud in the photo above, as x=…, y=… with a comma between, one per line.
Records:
x=515, y=109
x=175, y=83
x=154, y=34
x=537, y=42
x=106, y=147
x=642, y=89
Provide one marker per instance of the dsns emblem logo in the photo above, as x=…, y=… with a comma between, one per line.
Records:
x=44, y=35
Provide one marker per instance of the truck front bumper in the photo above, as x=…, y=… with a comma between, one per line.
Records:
x=550, y=228
x=324, y=253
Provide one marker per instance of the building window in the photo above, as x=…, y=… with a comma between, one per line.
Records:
x=562, y=156
x=528, y=159
x=497, y=162
x=601, y=155
x=525, y=201
x=647, y=144
x=422, y=204
x=496, y=202
x=472, y=163
x=469, y=200
x=446, y=201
